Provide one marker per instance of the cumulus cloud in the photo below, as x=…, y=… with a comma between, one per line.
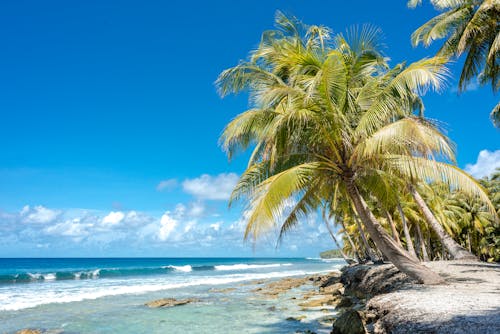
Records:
x=38, y=214
x=70, y=228
x=181, y=231
x=207, y=187
x=196, y=209
x=165, y=185
x=167, y=226
x=485, y=165
x=113, y=218
x=215, y=226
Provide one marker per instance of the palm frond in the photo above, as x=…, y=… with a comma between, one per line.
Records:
x=495, y=115
x=410, y=136
x=270, y=196
x=421, y=169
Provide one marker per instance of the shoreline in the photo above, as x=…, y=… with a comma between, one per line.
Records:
x=379, y=299
x=368, y=298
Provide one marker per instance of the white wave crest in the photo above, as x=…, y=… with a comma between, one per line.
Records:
x=35, y=276
x=184, y=269
x=32, y=297
x=49, y=277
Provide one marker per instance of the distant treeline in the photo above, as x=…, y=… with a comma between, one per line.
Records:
x=331, y=254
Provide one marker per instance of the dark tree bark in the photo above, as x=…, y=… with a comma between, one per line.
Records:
x=397, y=255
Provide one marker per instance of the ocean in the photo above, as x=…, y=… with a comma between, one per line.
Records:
x=107, y=295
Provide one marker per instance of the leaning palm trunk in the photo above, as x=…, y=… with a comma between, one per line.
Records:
x=469, y=242
x=397, y=255
x=456, y=251
x=394, y=232
x=369, y=252
x=335, y=239
x=353, y=246
x=421, y=243
x=406, y=230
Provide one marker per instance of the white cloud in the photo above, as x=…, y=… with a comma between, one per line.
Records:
x=215, y=226
x=180, y=230
x=167, y=226
x=70, y=228
x=485, y=165
x=211, y=187
x=113, y=218
x=135, y=218
x=167, y=185
x=38, y=214
x=196, y=209
x=189, y=226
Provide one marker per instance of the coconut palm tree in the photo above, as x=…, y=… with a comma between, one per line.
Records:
x=470, y=27
x=406, y=230
x=331, y=117
x=455, y=249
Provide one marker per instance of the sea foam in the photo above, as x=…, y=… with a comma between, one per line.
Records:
x=32, y=297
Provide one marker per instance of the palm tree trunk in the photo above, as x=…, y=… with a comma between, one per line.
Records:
x=469, y=242
x=397, y=255
x=406, y=231
x=394, y=231
x=425, y=255
x=335, y=239
x=369, y=253
x=428, y=242
x=353, y=246
x=455, y=250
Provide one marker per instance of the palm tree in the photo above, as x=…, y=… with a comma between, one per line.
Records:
x=331, y=119
x=406, y=231
x=455, y=250
x=470, y=27
x=334, y=238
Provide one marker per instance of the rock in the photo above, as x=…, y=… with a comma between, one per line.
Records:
x=345, y=302
x=170, y=302
x=297, y=318
x=331, y=279
x=365, y=281
x=327, y=320
x=29, y=331
x=334, y=289
x=321, y=301
x=349, y=322
x=273, y=289
x=222, y=290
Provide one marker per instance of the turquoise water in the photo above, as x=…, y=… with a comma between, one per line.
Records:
x=108, y=295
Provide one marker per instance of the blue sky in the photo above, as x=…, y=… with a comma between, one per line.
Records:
x=110, y=122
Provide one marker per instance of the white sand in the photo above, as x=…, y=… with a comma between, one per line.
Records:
x=468, y=303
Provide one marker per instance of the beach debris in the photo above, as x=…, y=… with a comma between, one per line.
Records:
x=170, y=302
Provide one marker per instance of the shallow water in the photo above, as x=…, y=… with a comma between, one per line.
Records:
x=115, y=303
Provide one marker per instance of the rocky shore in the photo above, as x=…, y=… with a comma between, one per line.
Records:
x=380, y=299
x=376, y=299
